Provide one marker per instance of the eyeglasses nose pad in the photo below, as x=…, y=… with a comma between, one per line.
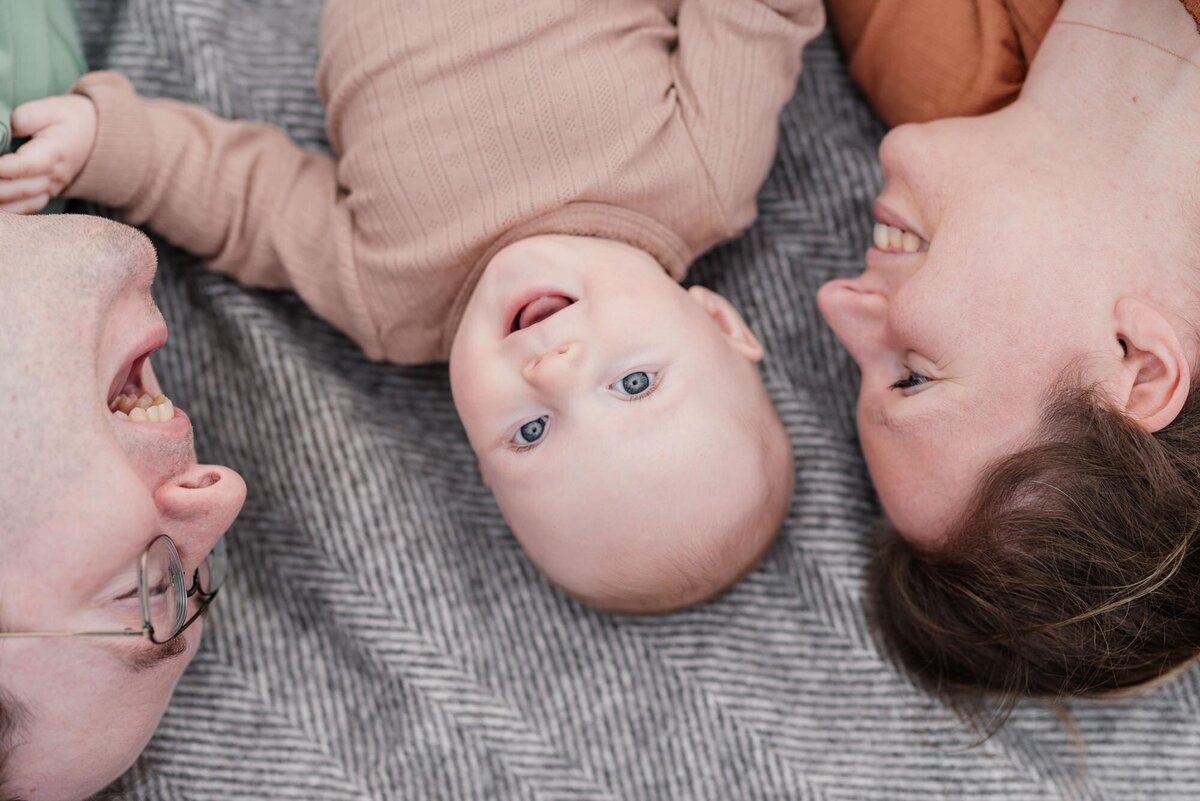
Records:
x=215, y=567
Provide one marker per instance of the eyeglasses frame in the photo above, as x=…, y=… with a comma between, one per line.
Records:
x=147, y=630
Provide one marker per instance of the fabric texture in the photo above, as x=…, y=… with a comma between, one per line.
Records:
x=1193, y=8
x=382, y=636
x=457, y=125
x=921, y=60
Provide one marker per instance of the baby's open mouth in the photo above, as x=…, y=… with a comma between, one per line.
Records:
x=133, y=402
x=537, y=310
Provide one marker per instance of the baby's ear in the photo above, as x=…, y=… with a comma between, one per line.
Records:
x=721, y=312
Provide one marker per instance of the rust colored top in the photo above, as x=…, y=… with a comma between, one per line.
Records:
x=460, y=127
x=921, y=60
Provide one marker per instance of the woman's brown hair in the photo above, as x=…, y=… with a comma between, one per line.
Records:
x=11, y=716
x=1076, y=570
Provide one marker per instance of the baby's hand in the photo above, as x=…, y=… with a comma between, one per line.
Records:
x=63, y=129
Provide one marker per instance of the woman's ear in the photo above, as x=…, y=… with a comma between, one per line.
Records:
x=721, y=312
x=1154, y=375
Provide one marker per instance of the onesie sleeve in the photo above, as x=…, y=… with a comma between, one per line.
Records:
x=736, y=67
x=241, y=195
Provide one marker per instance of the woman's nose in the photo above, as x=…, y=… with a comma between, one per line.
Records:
x=856, y=314
x=915, y=160
x=198, y=506
x=902, y=150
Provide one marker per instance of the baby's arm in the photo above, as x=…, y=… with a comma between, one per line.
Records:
x=241, y=195
x=735, y=69
x=62, y=130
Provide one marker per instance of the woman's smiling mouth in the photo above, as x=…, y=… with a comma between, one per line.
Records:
x=891, y=239
x=893, y=234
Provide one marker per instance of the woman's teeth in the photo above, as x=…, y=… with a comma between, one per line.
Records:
x=144, y=409
x=891, y=239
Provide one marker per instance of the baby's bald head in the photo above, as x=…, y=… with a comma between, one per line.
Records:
x=643, y=532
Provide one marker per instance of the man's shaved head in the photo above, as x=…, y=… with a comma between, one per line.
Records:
x=56, y=272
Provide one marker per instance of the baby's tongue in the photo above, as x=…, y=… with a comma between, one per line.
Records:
x=540, y=309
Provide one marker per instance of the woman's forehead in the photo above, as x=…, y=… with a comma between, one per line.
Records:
x=925, y=465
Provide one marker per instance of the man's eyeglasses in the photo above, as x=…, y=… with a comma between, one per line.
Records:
x=163, y=593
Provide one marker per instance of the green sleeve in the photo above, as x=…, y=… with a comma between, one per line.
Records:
x=40, y=54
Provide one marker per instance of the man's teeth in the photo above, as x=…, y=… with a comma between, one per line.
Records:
x=144, y=409
x=891, y=239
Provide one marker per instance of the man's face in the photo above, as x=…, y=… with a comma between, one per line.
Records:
x=83, y=490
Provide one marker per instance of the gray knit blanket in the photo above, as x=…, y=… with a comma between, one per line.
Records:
x=383, y=637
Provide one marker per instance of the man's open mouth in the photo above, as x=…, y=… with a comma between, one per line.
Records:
x=537, y=309
x=130, y=399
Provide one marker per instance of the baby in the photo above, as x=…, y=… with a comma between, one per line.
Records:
x=519, y=186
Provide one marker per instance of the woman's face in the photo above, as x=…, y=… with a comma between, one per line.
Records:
x=959, y=342
x=82, y=491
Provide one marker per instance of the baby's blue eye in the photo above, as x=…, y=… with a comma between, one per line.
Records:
x=633, y=384
x=531, y=432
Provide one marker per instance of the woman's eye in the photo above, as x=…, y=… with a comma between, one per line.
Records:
x=531, y=432
x=911, y=381
x=634, y=384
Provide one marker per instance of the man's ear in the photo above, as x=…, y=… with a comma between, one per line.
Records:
x=1154, y=376
x=721, y=311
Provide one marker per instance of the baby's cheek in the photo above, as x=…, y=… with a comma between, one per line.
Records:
x=468, y=385
x=478, y=420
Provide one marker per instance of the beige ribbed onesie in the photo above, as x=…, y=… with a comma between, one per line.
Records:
x=460, y=127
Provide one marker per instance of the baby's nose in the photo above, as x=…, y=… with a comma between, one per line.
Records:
x=554, y=364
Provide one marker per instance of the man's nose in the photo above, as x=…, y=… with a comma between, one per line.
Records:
x=857, y=313
x=554, y=369
x=197, y=506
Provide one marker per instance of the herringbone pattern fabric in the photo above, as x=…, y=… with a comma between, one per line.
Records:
x=382, y=636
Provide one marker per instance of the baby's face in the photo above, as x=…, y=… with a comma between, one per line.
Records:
x=606, y=404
